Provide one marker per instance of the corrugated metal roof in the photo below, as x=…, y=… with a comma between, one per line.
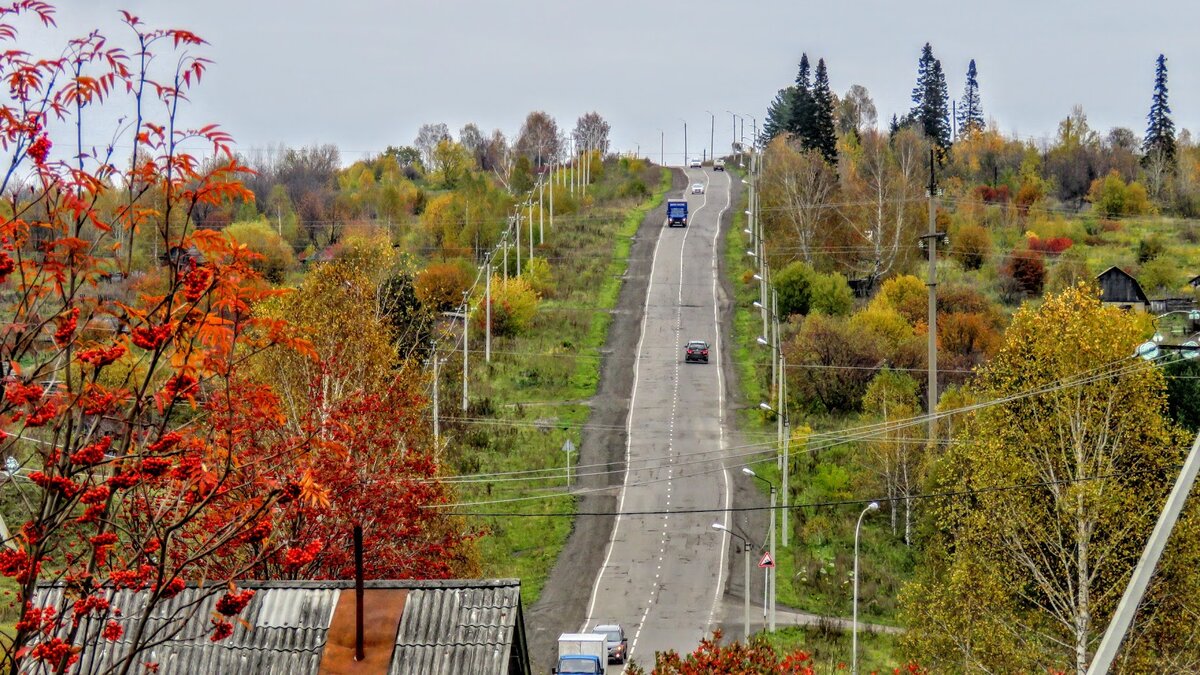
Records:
x=448, y=626
x=464, y=630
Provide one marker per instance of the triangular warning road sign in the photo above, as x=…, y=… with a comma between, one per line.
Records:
x=766, y=561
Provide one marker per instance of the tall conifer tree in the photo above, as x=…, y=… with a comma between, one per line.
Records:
x=824, y=137
x=801, y=122
x=1160, y=133
x=970, y=113
x=779, y=113
x=931, y=102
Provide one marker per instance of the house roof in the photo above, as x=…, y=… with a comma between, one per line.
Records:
x=447, y=626
x=1117, y=285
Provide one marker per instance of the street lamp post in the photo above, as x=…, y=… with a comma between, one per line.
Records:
x=746, y=594
x=733, y=139
x=770, y=591
x=873, y=506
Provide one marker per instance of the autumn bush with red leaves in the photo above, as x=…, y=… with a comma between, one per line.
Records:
x=756, y=657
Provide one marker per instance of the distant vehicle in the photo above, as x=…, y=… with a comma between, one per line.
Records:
x=718, y=165
x=695, y=163
x=581, y=654
x=677, y=212
x=697, y=350
x=697, y=188
x=615, y=640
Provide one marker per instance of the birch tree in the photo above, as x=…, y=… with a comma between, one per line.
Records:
x=1094, y=455
x=798, y=187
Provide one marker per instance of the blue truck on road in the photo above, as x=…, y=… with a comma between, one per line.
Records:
x=677, y=212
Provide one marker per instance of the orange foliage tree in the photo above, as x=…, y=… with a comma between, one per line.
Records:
x=136, y=454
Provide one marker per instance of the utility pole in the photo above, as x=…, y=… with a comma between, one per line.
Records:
x=531, y=225
x=487, y=316
x=1115, y=633
x=787, y=466
x=436, y=426
x=466, y=313
x=932, y=240
x=541, y=213
x=712, y=134
x=504, y=240
x=685, y=152
x=551, y=199
x=662, y=148
x=518, y=229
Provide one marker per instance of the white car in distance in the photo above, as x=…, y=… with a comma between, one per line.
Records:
x=697, y=188
x=695, y=163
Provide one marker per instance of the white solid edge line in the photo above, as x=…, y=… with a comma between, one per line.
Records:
x=718, y=590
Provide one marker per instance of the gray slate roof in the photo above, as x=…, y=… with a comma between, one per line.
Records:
x=450, y=626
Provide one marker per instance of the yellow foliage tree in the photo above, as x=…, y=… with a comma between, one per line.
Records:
x=1023, y=574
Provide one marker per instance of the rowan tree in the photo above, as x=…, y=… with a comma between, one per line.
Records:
x=140, y=462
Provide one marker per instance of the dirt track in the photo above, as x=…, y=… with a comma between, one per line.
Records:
x=563, y=602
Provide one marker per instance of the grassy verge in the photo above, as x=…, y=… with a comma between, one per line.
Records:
x=532, y=396
x=830, y=648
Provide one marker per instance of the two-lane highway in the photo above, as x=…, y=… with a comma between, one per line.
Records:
x=663, y=574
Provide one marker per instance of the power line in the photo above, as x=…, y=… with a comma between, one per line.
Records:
x=948, y=494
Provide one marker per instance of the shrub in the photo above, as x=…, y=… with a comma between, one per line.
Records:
x=971, y=246
x=1070, y=269
x=1111, y=196
x=539, y=277
x=908, y=295
x=277, y=257
x=514, y=305
x=1053, y=246
x=830, y=294
x=993, y=195
x=1159, y=275
x=1150, y=248
x=440, y=286
x=1028, y=270
x=794, y=286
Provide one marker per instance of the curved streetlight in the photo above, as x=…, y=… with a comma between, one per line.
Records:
x=873, y=506
x=770, y=590
x=746, y=556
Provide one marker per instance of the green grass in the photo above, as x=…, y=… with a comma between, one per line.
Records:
x=535, y=388
x=830, y=648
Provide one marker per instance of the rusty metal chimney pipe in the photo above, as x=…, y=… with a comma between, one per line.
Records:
x=358, y=593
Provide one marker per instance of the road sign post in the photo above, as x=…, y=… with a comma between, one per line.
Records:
x=568, y=447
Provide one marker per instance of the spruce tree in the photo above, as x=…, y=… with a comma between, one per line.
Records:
x=801, y=122
x=970, y=113
x=824, y=137
x=779, y=113
x=1160, y=133
x=931, y=101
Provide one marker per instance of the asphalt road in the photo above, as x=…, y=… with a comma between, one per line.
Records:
x=663, y=576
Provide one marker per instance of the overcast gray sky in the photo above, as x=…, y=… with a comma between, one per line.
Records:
x=365, y=74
